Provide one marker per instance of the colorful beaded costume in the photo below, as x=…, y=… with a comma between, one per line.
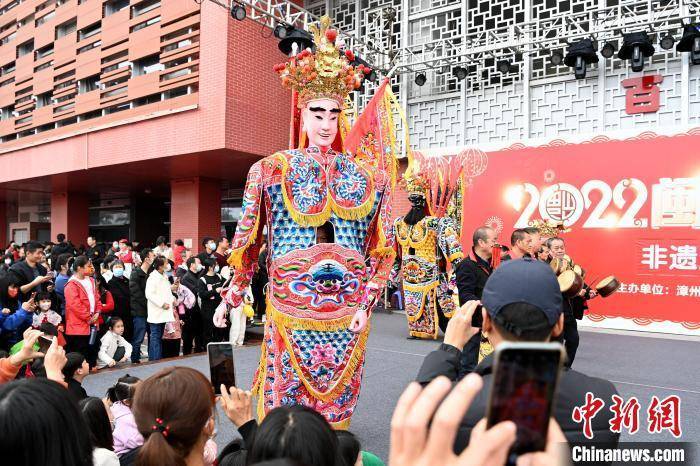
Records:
x=309, y=356
x=424, y=246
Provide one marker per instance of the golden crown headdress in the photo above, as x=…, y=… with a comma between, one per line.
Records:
x=549, y=228
x=412, y=183
x=326, y=73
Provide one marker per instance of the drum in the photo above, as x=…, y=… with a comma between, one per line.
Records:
x=607, y=286
x=570, y=283
x=559, y=265
x=580, y=270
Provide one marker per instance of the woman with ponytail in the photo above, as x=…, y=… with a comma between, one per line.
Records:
x=175, y=432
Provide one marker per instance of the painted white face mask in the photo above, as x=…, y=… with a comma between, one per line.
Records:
x=8, y=261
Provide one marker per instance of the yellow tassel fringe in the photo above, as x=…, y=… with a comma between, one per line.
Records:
x=284, y=322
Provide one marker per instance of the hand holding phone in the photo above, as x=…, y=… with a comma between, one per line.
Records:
x=44, y=343
x=460, y=327
x=237, y=404
x=221, y=367
x=523, y=387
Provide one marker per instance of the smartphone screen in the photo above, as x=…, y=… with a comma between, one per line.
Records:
x=44, y=343
x=477, y=317
x=221, y=369
x=524, y=383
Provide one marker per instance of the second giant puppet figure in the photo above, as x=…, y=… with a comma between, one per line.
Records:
x=330, y=246
x=424, y=242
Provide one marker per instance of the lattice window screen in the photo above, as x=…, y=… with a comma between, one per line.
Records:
x=343, y=15
x=495, y=114
x=435, y=123
x=694, y=96
x=565, y=107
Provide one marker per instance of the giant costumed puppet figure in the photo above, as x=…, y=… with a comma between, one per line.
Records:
x=330, y=245
x=424, y=244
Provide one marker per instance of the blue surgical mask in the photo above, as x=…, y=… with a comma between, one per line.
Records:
x=118, y=272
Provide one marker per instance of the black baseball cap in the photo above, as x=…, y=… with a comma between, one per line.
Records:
x=523, y=280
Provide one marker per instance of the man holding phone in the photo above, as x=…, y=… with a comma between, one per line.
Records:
x=471, y=276
x=521, y=303
x=29, y=274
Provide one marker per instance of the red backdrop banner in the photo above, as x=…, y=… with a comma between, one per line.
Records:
x=633, y=207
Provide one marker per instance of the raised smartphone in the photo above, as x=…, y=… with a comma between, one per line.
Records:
x=523, y=388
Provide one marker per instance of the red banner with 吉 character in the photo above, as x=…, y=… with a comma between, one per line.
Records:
x=633, y=207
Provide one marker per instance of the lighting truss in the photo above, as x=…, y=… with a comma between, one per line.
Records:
x=599, y=24
x=269, y=13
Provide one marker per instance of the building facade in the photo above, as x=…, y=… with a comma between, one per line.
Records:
x=535, y=100
x=131, y=119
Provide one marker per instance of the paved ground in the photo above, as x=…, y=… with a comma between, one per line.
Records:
x=639, y=366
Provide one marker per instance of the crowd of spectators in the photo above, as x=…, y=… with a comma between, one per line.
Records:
x=105, y=301
x=169, y=418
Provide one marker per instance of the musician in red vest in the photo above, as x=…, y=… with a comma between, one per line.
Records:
x=471, y=275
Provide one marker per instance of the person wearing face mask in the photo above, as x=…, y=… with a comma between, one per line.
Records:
x=209, y=246
x=44, y=312
x=209, y=292
x=112, y=251
x=127, y=256
x=160, y=298
x=192, y=331
x=118, y=285
x=7, y=261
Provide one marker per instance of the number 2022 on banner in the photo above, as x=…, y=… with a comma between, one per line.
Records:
x=563, y=202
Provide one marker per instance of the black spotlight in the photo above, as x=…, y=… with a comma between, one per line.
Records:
x=237, y=11
x=556, y=58
x=579, y=55
x=459, y=72
x=691, y=42
x=608, y=50
x=420, y=79
x=667, y=42
x=636, y=46
x=503, y=66
x=303, y=39
x=281, y=31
